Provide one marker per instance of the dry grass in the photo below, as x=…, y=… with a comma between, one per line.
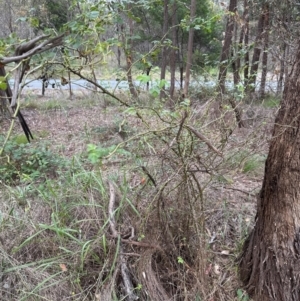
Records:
x=182, y=212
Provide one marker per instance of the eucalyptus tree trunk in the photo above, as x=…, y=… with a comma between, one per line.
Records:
x=189, y=58
x=164, y=59
x=270, y=266
x=285, y=57
x=243, y=46
x=256, y=52
x=225, y=53
x=173, y=50
x=246, y=43
x=236, y=58
x=127, y=44
x=265, y=53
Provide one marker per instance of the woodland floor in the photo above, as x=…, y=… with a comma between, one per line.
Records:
x=68, y=126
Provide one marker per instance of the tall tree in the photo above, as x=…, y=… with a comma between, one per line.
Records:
x=173, y=50
x=265, y=53
x=225, y=54
x=189, y=49
x=164, y=60
x=127, y=44
x=257, y=49
x=270, y=263
x=246, y=42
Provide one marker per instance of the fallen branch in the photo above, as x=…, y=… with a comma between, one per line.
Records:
x=124, y=269
x=112, y=199
x=204, y=139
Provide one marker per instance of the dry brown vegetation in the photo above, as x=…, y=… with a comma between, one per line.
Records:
x=161, y=214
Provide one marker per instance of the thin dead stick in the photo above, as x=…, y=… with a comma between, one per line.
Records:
x=203, y=138
x=124, y=269
x=112, y=199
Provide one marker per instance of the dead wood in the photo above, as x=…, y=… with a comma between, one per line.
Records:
x=129, y=288
x=204, y=139
x=149, y=280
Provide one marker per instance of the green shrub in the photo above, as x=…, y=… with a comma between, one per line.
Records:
x=26, y=162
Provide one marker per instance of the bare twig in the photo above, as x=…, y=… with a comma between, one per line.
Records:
x=149, y=175
x=184, y=116
x=111, y=205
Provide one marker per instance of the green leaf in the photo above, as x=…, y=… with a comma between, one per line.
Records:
x=154, y=91
x=3, y=84
x=93, y=15
x=143, y=78
x=162, y=83
x=180, y=260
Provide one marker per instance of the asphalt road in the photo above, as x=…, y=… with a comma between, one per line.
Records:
x=111, y=85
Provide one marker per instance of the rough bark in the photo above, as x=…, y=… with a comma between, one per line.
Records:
x=270, y=266
x=225, y=54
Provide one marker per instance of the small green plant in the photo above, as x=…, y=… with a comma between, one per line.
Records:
x=180, y=260
x=97, y=153
x=23, y=162
x=242, y=296
x=247, y=162
x=253, y=163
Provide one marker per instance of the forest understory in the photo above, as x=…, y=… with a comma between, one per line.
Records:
x=102, y=208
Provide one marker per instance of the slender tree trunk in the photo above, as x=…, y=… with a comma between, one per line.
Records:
x=70, y=86
x=265, y=54
x=284, y=65
x=173, y=50
x=235, y=59
x=246, y=43
x=118, y=47
x=270, y=266
x=256, y=52
x=189, y=58
x=281, y=70
x=180, y=59
x=225, y=54
x=243, y=44
x=127, y=42
x=164, y=60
